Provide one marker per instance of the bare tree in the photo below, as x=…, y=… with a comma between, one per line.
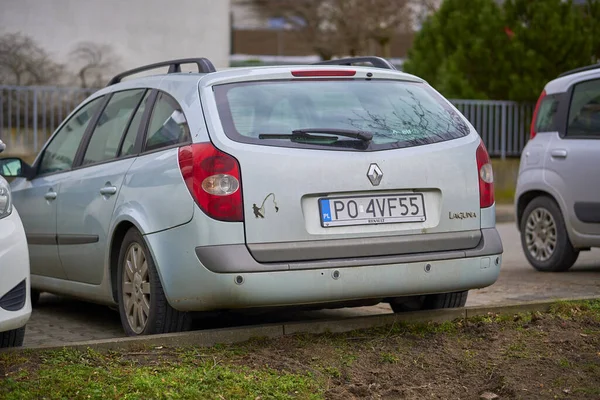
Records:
x=94, y=61
x=311, y=19
x=24, y=62
x=340, y=27
x=386, y=19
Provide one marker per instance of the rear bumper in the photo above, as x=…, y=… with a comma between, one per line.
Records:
x=15, y=304
x=236, y=258
x=191, y=286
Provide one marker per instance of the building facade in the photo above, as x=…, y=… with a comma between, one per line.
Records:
x=139, y=32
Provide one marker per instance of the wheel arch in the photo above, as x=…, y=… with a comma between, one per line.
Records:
x=527, y=197
x=117, y=237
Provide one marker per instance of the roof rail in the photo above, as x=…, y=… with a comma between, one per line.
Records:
x=204, y=66
x=580, y=69
x=377, y=62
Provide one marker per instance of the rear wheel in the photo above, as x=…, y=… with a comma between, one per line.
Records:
x=430, y=302
x=12, y=338
x=544, y=237
x=143, y=307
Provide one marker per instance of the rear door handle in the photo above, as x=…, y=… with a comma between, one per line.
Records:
x=50, y=195
x=108, y=190
x=558, y=153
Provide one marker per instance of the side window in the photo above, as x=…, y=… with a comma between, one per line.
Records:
x=584, y=111
x=168, y=125
x=60, y=153
x=107, y=134
x=546, y=117
x=128, y=146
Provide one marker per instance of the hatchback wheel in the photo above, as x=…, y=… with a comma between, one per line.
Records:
x=544, y=237
x=143, y=306
x=430, y=302
x=12, y=338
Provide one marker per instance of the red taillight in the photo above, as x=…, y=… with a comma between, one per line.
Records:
x=304, y=74
x=213, y=179
x=485, y=174
x=532, y=131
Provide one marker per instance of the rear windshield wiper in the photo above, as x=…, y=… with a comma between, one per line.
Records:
x=305, y=134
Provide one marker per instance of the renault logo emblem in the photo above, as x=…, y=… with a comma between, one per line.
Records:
x=375, y=175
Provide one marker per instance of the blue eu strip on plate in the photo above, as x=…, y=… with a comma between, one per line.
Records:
x=325, y=210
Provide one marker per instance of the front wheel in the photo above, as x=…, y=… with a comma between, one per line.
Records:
x=544, y=237
x=12, y=338
x=430, y=302
x=143, y=307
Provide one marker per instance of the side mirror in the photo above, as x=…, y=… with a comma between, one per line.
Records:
x=2, y=146
x=13, y=167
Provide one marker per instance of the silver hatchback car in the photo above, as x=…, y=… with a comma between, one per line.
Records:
x=558, y=189
x=324, y=186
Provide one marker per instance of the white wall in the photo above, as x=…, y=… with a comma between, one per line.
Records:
x=140, y=31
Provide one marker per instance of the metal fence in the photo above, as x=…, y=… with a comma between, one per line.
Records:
x=29, y=115
x=503, y=125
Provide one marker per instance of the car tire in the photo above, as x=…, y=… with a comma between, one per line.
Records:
x=35, y=297
x=544, y=238
x=143, y=306
x=430, y=302
x=12, y=338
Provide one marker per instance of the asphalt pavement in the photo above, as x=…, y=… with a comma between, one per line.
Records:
x=57, y=321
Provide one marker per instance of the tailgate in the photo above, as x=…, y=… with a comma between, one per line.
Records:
x=412, y=188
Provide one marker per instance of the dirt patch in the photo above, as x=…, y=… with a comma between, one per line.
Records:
x=528, y=356
x=535, y=358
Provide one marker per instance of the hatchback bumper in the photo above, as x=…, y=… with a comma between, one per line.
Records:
x=191, y=286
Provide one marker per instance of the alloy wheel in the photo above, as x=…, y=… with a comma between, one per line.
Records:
x=540, y=234
x=136, y=288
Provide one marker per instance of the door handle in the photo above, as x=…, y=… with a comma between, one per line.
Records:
x=50, y=195
x=558, y=153
x=108, y=190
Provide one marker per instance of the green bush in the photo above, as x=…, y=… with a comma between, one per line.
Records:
x=478, y=49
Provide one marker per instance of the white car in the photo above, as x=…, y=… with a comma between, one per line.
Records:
x=15, y=304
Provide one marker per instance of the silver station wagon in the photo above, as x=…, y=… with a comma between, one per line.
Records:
x=344, y=183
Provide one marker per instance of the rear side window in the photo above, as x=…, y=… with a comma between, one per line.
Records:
x=168, y=125
x=128, y=146
x=546, y=118
x=398, y=114
x=584, y=111
x=105, y=140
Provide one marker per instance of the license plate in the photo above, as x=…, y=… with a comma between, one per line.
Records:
x=372, y=210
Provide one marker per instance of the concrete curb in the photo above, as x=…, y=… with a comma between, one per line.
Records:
x=211, y=337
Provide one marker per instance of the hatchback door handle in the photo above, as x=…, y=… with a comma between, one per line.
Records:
x=558, y=153
x=108, y=190
x=50, y=195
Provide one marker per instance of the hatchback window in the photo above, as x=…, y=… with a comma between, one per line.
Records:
x=105, y=140
x=168, y=125
x=584, y=112
x=398, y=114
x=60, y=152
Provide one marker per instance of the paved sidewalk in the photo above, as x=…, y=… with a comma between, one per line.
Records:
x=505, y=213
x=57, y=320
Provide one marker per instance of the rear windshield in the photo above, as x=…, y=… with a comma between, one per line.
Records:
x=398, y=114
